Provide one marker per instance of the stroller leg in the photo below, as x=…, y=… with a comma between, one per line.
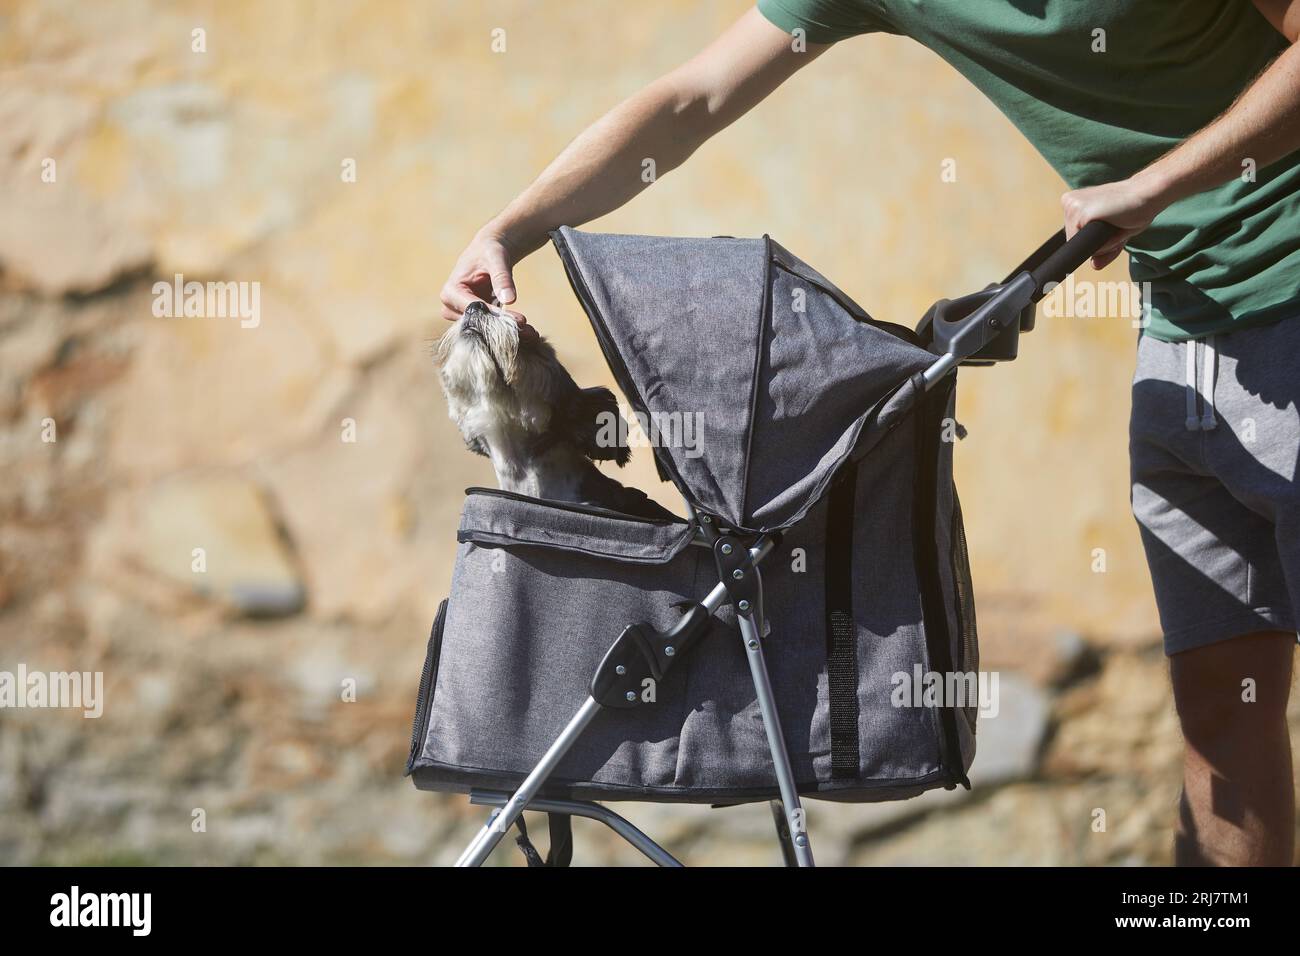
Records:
x=750, y=632
x=502, y=820
x=783, y=833
x=592, y=811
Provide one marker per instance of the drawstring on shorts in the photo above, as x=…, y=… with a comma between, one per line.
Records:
x=1204, y=390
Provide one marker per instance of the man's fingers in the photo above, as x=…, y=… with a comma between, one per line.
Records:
x=1110, y=252
x=503, y=288
x=503, y=283
x=457, y=298
x=1073, y=211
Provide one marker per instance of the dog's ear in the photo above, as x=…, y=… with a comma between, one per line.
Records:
x=596, y=432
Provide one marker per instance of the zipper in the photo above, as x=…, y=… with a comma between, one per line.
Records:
x=764, y=314
x=424, y=697
x=964, y=598
x=571, y=506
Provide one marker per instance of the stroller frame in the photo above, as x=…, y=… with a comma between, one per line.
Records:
x=978, y=329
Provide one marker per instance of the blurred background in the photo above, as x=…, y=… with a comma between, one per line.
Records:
x=340, y=155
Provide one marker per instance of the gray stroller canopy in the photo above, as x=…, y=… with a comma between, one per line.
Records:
x=755, y=377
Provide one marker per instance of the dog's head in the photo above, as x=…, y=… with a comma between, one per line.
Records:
x=504, y=388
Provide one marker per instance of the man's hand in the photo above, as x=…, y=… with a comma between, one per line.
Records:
x=481, y=273
x=1130, y=204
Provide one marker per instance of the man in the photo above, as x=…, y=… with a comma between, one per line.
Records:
x=1180, y=124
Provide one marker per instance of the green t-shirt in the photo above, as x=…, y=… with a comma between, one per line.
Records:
x=1220, y=260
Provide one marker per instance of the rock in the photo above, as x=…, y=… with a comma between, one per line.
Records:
x=31, y=346
x=244, y=561
x=1050, y=658
x=1008, y=745
x=372, y=505
x=58, y=237
x=256, y=391
x=1121, y=720
x=1071, y=659
x=1038, y=825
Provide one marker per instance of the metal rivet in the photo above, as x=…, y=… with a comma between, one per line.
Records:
x=737, y=574
x=726, y=549
x=705, y=519
x=631, y=696
x=620, y=670
x=801, y=840
x=753, y=645
x=669, y=651
x=743, y=605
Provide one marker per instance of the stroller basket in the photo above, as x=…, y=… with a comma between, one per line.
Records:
x=820, y=580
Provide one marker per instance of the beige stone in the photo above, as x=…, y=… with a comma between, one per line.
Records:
x=205, y=391
x=243, y=560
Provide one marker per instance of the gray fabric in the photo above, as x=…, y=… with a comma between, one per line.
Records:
x=783, y=367
x=1218, y=504
x=816, y=388
x=496, y=518
x=527, y=625
x=685, y=317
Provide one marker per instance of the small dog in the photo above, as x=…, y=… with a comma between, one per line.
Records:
x=514, y=403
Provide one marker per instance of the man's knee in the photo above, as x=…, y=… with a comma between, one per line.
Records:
x=1236, y=685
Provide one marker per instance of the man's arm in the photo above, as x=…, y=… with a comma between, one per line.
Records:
x=601, y=169
x=1263, y=125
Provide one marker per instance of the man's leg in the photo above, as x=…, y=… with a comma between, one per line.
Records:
x=1238, y=802
x=1216, y=504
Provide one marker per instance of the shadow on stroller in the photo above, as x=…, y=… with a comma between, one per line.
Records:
x=846, y=670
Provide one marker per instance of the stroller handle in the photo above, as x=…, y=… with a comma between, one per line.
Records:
x=1057, y=258
x=984, y=327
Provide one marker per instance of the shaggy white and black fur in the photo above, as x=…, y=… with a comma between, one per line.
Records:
x=516, y=404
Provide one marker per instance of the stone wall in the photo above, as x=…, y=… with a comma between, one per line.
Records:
x=268, y=678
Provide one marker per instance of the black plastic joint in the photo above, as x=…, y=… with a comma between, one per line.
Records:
x=643, y=653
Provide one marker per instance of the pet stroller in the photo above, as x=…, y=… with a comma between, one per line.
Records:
x=586, y=655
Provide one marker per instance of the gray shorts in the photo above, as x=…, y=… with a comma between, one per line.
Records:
x=1213, y=445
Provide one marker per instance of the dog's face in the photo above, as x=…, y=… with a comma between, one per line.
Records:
x=507, y=392
x=495, y=380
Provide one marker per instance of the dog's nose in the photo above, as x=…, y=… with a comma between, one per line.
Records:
x=476, y=310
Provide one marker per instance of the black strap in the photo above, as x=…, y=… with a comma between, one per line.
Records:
x=560, y=852
x=526, y=845
x=841, y=633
